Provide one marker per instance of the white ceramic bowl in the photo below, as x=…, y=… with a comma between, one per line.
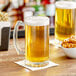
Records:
x=70, y=52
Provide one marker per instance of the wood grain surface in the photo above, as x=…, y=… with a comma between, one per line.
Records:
x=67, y=66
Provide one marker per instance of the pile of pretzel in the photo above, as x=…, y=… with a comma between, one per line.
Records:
x=69, y=43
x=3, y=16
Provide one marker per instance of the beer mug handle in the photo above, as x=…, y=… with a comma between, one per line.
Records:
x=15, y=35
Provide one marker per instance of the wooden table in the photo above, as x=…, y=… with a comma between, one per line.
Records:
x=67, y=66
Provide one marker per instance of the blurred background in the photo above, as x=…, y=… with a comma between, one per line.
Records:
x=19, y=9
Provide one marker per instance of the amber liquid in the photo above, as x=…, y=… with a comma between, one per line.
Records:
x=37, y=43
x=64, y=23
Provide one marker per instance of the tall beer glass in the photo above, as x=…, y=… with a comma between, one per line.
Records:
x=36, y=40
x=65, y=19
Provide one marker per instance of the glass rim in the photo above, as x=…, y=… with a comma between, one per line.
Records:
x=66, y=4
x=37, y=21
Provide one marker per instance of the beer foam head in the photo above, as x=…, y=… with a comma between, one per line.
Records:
x=37, y=21
x=66, y=4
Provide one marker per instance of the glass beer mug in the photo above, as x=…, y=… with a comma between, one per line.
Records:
x=65, y=19
x=36, y=40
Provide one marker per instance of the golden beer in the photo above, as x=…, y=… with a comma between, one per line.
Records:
x=64, y=19
x=37, y=43
x=37, y=40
